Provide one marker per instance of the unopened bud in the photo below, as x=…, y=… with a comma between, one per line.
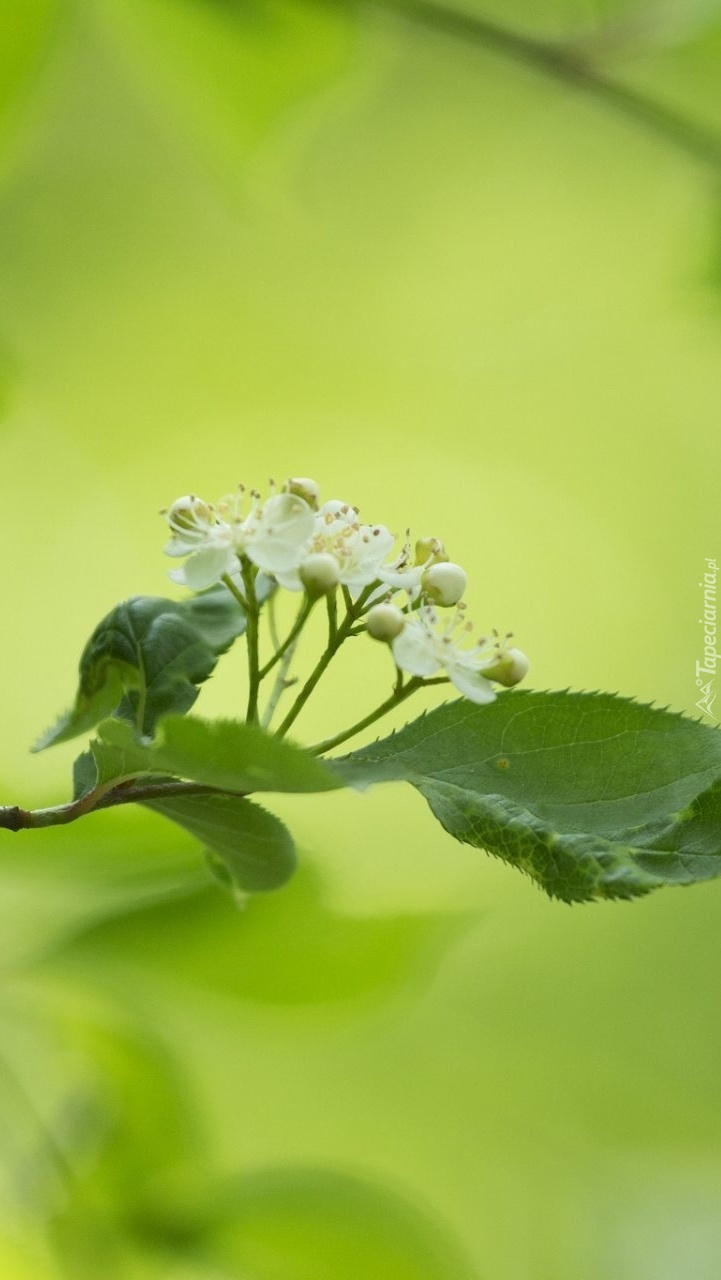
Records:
x=444, y=584
x=510, y=668
x=187, y=513
x=385, y=622
x=430, y=551
x=319, y=573
x=304, y=488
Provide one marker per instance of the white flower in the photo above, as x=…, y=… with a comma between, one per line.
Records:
x=358, y=549
x=509, y=668
x=384, y=622
x=423, y=649
x=319, y=573
x=444, y=584
x=408, y=573
x=213, y=539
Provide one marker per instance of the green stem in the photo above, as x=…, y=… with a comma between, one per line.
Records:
x=280, y=684
x=570, y=66
x=270, y=614
x=13, y=818
x=331, y=601
x=399, y=695
x=235, y=591
x=302, y=618
x=336, y=637
x=252, y=641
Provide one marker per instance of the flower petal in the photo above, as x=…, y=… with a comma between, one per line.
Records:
x=414, y=651
x=207, y=566
x=470, y=681
x=286, y=522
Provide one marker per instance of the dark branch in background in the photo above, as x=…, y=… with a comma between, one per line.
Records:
x=569, y=65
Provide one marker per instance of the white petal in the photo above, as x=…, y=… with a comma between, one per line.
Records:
x=403, y=579
x=469, y=681
x=334, y=506
x=178, y=547
x=356, y=579
x=414, y=651
x=290, y=579
x=286, y=523
x=205, y=567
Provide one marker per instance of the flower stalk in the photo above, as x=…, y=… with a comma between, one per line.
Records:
x=327, y=550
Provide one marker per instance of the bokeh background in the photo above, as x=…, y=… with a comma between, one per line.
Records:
x=243, y=238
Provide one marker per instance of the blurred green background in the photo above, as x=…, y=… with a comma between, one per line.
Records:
x=242, y=238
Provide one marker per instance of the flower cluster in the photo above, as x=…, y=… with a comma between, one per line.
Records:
x=306, y=547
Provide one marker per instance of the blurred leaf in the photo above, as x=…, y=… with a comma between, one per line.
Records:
x=227, y=69
x=225, y=754
x=147, y=657
x=139, y=1137
x=25, y=33
x=237, y=757
x=592, y=795
x=115, y=754
x=249, y=847
x=323, y=1224
x=86, y=872
x=85, y=774
x=289, y=948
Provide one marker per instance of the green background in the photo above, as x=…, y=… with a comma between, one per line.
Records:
x=241, y=240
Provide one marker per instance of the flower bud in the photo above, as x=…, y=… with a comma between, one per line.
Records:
x=304, y=488
x=319, y=573
x=511, y=667
x=430, y=551
x=444, y=584
x=189, y=514
x=385, y=622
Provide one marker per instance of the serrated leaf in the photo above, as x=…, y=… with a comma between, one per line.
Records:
x=224, y=754
x=85, y=775
x=147, y=658
x=253, y=847
x=237, y=757
x=593, y=795
x=117, y=753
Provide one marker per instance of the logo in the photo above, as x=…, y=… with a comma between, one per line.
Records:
x=706, y=670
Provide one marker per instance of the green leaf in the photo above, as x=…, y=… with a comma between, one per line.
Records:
x=117, y=754
x=227, y=71
x=237, y=757
x=147, y=658
x=593, y=795
x=26, y=34
x=223, y=754
x=248, y=846
x=85, y=775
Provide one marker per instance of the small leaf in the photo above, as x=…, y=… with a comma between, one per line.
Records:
x=237, y=757
x=592, y=795
x=85, y=775
x=223, y=754
x=147, y=658
x=253, y=846
x=117, y=754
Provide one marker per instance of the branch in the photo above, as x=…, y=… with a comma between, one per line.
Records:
x=13, y=818
x=568, y=65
